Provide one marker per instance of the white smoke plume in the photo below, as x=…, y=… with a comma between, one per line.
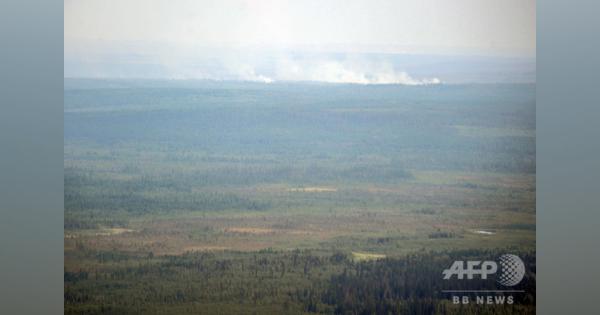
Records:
x=354, y=71
x=347, y=71
x=168, y=62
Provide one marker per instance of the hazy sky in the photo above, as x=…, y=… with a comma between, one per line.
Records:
x=160, y=31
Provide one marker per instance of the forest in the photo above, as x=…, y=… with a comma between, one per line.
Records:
x=203, y=197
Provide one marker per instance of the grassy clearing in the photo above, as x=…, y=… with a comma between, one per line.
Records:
x=356, y=256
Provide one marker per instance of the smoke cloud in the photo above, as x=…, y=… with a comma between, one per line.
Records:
x=347, y=71
x=241, y=65
x=354, y=70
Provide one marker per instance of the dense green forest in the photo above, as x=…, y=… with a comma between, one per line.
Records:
x=276, y=282
x=200, y=197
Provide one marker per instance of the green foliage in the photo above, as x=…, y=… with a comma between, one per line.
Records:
x=274, y=282
x=301, y=177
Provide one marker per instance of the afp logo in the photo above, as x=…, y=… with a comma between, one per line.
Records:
x=512, y=269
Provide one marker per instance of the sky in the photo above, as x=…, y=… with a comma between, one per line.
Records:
x=332, y=41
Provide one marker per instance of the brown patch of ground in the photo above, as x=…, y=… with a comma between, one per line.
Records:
x=250, y=230
x=204, y=248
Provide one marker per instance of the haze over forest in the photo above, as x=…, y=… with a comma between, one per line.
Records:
x=367, y=42
x=297, y=157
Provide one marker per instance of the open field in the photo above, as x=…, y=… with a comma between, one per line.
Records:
x=281, y=198
x=433, y=210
